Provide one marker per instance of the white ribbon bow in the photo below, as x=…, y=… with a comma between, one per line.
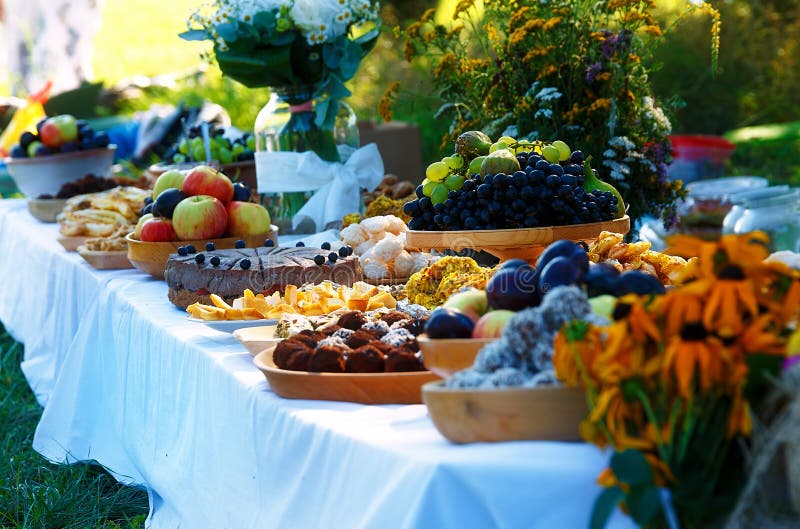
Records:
x=337, y=185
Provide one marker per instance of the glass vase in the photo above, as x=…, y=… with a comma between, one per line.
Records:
x=287, y=123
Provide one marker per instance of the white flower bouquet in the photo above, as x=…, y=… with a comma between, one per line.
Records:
x=315, y=44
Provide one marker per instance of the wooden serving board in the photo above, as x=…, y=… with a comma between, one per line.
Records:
x=524, y=243
x=257, y=339
x=117, y=260
x=365, y=388
x=546, y=413
x=71, y=244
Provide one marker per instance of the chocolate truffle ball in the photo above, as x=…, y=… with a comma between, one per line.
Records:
x=298, y=361
x=394, y=316
x=400, y=361
x=360, y=338
x=288, y=348
x=352, y=320
x=327, y=359
x=365, y=359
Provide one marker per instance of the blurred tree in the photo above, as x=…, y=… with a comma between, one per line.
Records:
x=759, y=67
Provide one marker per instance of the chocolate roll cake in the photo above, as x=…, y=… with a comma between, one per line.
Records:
x=227, y=273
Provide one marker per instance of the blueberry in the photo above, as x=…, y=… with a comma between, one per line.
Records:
x=200, y=258
x=343, y=252
x=26, y=139
x=18, y=152
x=269, y=243
x=244, y=264
x=239, y=244
x=319, y=259
x=210, y=247
x=214, y=260
x=300, y=244
x=182, y=250
x=349, y=250
x=325, y=246
x=333, y=256
x=190, y=249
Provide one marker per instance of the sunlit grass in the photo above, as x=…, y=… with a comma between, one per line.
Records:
x=35, y=494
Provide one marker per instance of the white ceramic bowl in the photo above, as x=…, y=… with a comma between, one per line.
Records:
x=46, y=174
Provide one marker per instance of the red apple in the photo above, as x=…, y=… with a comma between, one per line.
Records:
x=199, y=217
x=472, y=302
x=491, y=324
x=58, y=130
x=247, y=218
x=157, y=230
x=205, y=180
x=137, y=232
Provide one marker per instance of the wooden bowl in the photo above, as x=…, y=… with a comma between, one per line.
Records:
x=46, y=174
x=257, y=339
x=46, y=209
x=152, y=257
x=116, y=260
x=548, y=413
x=366, y=388
x=71, y=243
x=446, y=356
x=523, y=243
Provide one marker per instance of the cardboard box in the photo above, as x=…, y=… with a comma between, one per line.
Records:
x=400, y=145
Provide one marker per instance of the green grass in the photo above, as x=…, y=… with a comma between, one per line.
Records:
x=36, y=494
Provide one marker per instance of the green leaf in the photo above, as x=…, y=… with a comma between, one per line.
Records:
x=604, y=505
x=631, y=467
x=332, y=56
x=444, y=110
x=194, y=34
x=763, y=367
x=269, y=67
x=368, y=40
x=229, y=31
x=265, y=22
x=644, y=504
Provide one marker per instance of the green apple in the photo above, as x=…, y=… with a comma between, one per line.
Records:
x=247, y=218
x=166, y=180
x=137, y=232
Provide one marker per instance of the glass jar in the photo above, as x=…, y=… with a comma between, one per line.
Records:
x=287, y=123
x=741, y=200
x=777, y=216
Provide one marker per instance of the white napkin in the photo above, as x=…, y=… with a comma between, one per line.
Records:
x=337, y=185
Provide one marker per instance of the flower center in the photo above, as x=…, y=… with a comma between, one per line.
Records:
x=621, y=311
x=733, y=272
x=693, y=332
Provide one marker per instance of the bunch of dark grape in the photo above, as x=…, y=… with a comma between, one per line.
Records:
x=541, y=194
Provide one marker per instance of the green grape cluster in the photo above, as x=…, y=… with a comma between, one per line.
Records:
x=444, y=176
x=192, y=149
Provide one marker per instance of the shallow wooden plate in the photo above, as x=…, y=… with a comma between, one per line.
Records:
x=547, y=413
x=256, y=339
x=523, y=243
x=71, y=244
x=365, y=388
x=389, y=281
x=446, y=356
x=116, y=260
x=46, y=209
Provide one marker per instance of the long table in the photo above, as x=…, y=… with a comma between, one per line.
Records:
x=179, y=408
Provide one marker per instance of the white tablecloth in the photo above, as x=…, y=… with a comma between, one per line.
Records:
x=179, y=408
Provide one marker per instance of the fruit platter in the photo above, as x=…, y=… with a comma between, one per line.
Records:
x=61, y=150
x=511, y=198
x=199, y=208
